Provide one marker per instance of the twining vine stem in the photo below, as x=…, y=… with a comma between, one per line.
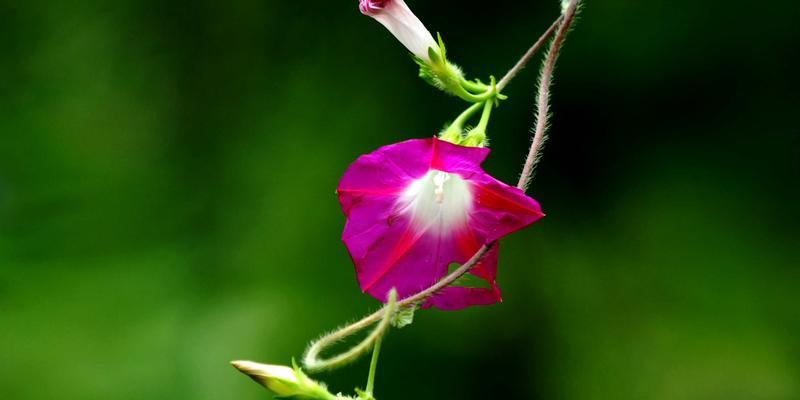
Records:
x=543, y=104
x=313, y=362
x=561, y=27
x=528, y=55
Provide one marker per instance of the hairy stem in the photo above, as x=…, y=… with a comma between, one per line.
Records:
x=544, y=97
x=528, y=55
x=423, y=295
x=543, y=103
x=312, y=360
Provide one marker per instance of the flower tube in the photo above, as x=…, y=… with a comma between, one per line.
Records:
x=403, y=24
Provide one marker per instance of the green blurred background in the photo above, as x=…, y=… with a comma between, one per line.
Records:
x=167, y=176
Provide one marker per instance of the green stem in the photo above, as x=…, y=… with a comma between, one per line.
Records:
x=373, y=365
x=474, y=86
x=464, y=116
x=487, y=112
x=477, y=136
x=473, y=98
x=453, y=132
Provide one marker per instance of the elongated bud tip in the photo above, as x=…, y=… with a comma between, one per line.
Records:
x=284, y=381
x=254, y=368
x=371, y=7
x=402, y=23
x=277, y=378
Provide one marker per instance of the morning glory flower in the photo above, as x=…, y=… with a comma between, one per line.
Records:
x=414, y=208
x=402, y=23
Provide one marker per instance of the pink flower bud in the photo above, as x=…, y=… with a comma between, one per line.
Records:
x=402, y=23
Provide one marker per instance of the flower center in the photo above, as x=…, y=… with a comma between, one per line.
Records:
x=438, y=200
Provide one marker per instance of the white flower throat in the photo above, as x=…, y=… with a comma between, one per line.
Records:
x=438, y=181
x=438, y=200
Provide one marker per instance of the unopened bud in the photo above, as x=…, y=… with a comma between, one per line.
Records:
x=403, y=24
x=283, y=381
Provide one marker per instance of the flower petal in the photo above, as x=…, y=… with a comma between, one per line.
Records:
x=397, y=240
x=500, y=209
x=457, y=297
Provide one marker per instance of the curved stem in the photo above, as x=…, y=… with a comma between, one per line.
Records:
x=528, y=55
x=487, y=112
x=430, y=291
x=464, y=116
x=454, y=132
x=474, y=86
x=475, y=98
x=476, y=137
x=543, y=104
x=313, y=362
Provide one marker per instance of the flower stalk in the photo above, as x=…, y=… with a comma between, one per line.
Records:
x=373, y=366
x=437, y=70
x=570, y=8
x=476, y=137
x=454, y=132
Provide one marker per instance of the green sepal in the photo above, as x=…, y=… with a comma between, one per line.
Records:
x=441, y=45
x=475, y=138
x=452, y=133
x=434, y=56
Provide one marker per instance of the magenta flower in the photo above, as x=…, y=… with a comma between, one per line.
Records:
x=415, y=207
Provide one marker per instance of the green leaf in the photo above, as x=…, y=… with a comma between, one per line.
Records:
x=404, y=317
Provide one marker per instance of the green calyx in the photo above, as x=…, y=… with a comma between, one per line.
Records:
x=456, y=132
x=448, y=77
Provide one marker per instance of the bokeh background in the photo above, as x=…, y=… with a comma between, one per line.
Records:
x=167, y=175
